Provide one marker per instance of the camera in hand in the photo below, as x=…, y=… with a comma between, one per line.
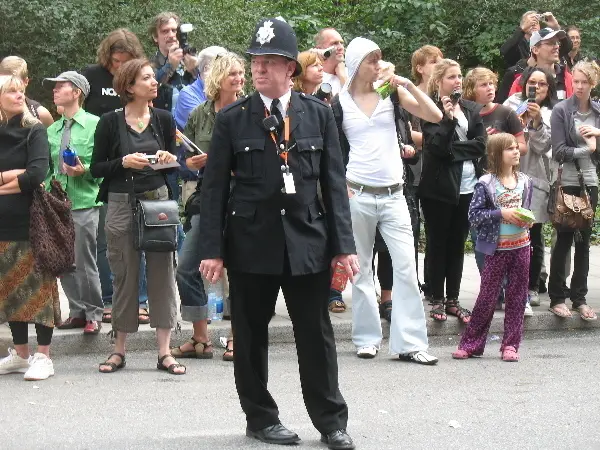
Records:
x=324, y=92
x=531, y=93
x=325, y=52
x=182, y=37
x=455, y=96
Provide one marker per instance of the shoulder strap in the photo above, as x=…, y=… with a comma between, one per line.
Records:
x=584, y=191
x=338, y=114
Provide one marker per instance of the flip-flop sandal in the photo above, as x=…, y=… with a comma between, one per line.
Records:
x=581, y=310
x=177, y=352
x=562, y=312
x=228, y=355
x=113, y=366
x=172, y=367
x=337, y=306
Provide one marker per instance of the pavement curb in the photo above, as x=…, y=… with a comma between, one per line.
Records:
x=73, y=342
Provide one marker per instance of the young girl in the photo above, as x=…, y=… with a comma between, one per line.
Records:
x=504, y=238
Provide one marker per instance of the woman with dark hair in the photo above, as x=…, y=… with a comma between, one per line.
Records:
x=26, y=295
x=452, y=149
x=575, y=141
x=123, y=164
x=536, y=119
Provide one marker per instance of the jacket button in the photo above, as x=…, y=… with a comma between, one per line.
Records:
x=312, y=147
x=246, y=149
x=233, y=213
x=283, y=212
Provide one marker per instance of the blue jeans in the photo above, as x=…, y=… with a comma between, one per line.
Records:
x=189, y=281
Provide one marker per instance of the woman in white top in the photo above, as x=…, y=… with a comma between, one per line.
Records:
x=452, y=149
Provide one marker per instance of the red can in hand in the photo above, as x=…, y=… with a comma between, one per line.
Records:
x=339, y=280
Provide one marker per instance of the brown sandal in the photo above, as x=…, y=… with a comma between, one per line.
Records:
x=143, y=316
x=337, y=306
x=171, y=369
x=113, y=366
x=228, y=355
x=453, y=308
x=177, y=352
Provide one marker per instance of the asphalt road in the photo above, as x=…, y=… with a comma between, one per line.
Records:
x=549, y=400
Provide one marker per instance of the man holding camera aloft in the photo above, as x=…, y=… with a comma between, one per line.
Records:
x=272, y=232
x=174, y=67
x=334, y=68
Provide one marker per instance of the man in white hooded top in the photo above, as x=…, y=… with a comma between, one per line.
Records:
x=374, y=177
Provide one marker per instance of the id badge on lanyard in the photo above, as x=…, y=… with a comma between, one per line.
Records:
x=282, y=151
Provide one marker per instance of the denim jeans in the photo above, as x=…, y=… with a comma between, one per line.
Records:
x=189, y=280
x=389, y=213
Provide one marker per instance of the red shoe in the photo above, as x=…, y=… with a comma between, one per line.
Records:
x=72, y=322
x=92, y=327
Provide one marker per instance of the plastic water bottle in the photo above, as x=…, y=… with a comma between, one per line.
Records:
x=70, y=157
x=214, y=291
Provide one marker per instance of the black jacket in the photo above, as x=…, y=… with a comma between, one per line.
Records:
x=254, y=227
x=444, y=154
x=107, y=159
x=516, y=47
x=508, y=80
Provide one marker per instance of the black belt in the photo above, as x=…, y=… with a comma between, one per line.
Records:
x=375, y=190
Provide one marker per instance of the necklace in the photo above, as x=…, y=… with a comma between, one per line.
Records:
x=140, y=123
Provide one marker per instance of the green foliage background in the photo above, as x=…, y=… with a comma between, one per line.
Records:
x=64, y=34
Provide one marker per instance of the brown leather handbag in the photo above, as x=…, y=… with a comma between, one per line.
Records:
x=51, y=229
x=571, y=212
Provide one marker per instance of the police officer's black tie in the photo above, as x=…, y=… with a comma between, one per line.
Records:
x=275, y=111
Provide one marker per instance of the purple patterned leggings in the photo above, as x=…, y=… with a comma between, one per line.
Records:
x=515, y=264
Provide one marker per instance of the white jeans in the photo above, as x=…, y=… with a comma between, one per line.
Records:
x=408, y=329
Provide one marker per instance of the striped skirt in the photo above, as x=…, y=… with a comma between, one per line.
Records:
x=25, y=294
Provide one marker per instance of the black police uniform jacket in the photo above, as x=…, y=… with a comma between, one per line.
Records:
x=254, y=225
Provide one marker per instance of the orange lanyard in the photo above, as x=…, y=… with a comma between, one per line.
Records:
x=283, y=148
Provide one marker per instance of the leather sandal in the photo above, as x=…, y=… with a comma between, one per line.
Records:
x=228, y=355
x=113, y=366
x=172, y=367
x=107, y=316
x=143, y=316
x=453, y=308
x=199, y=353
x=337, y=306
x=437, y=312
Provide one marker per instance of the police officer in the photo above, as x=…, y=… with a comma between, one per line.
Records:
x=272, y=232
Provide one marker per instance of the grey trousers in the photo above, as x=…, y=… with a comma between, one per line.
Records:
x=124, y=263
x=82, y=287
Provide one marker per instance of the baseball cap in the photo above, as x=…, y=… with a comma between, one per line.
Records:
x=77, y=79
x=543, y=35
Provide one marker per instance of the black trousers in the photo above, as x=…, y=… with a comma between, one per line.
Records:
x=253, y=302
x=537, y=256
x=20, y=333
x=564, y=241
x=447, y=231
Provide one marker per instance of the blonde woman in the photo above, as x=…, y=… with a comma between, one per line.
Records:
x=452, y=149
x=224, y=85
x=26, y=296
x=16, y=66
x=575, y=125
x=312, y=73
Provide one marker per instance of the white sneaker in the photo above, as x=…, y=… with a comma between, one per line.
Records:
x=534, y=298
x=13, y=363
x=367, y=352
x=40, y=368
x=528, y=311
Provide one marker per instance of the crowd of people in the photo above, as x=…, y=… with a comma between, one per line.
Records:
x=333, y=163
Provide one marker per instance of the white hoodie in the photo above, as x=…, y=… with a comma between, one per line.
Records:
x=374, y=151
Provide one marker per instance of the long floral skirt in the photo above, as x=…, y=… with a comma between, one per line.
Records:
x=25, y=294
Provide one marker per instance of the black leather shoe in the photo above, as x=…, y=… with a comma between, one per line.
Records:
x=338, y=440
x=275, y=434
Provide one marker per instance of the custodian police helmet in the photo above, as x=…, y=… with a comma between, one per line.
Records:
x=275, y=36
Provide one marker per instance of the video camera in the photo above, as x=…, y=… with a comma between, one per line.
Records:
x=182, y=36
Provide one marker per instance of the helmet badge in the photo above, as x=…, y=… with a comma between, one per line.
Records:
x=265, y=33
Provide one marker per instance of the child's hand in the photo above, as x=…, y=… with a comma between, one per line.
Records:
x=510, y=215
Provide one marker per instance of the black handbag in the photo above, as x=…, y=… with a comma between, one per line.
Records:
x=154, y=221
